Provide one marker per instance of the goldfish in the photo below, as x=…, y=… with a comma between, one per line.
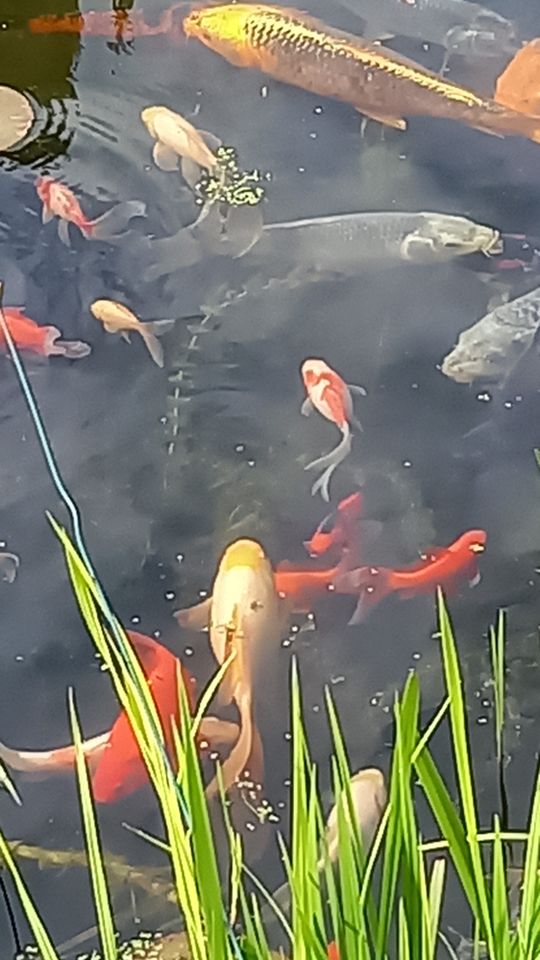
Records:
x=178, y=143
x=117, y=318
x=369, y=796
x=518, y=86
x=381, y=84
x=244, y=618
x=113, y=757
x=299, y=587
x=43, y=340
x=438, y=567
x=331, y=396
x=60, y=201
x=337, y=529
x=491, y=347
x=103, y=23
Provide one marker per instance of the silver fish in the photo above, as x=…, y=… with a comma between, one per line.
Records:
x=491, y=348
x=461, y=27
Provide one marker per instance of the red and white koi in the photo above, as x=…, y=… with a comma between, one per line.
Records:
x=328, y=393
x=60, y=201
x=43, y=340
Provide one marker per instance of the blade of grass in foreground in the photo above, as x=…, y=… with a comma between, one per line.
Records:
x=529, y=922
x=39, y=931
x=101, y=898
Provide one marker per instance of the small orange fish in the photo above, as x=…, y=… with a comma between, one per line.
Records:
x=338, y=530
x=518, y=86
x=328, y=393
x=381, y=84
x=439, y=567
x=43, y=340
x=299, y=588
x=60, y=201
x=117, y=318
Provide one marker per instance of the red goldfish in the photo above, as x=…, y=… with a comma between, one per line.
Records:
x=44, y=340
x=113, y=757
x=328, y=393
x=337, y=529
x=518, y=86
x=60, y=201
x=299, y=587
x=440, y=567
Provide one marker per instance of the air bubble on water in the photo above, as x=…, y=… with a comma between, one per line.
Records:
x=417, y=656
x=286, y=783
x=286, y=642
x=214, y=755
x=295, y=628
x=318, y=110
x=301, y=169
x=135, y=619
x=481, y=721
x=251, y=463
x=484, y=397
x=335, y=680
x=313, y=135
x=188, y=651
x=156, y=634
x=203, y=594
x=287, y=736
x=316, y=708
x=19, y=658
x=264, y=91
x=240, y=447
x=407, y=463
x=508, y=404
x=250, y=826
x=169, y=595
x=179, y=557
x=281, y=805
x=486, y=703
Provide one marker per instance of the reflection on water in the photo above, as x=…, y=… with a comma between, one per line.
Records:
x=169, y=466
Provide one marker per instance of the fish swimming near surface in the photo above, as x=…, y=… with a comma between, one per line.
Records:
x=117, y=318
x=114, y=759
x=178, y=144
x=244, y=617
x=339, y=529
x=381, y=84
x=328, y=393
x=103, y=23
x=460, y=26
x=42, y=340
x=60, y=201
x=518, y=86
x=491, y=347
x=437, y=567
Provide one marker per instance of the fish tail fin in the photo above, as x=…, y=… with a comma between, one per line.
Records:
x=322, y=484
x=330, y=462
x=114, y=223
x=371, y=584
x=155, y=348
x=72, y=349
x=239, y=757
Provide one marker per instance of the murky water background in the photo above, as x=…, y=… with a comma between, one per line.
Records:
x=165, y=484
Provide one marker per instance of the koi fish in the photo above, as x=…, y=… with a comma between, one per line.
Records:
x=43, y=340
x=492, y=347
x=369, y=797
x=117, y=318
x=518, y=86
x=179, y=144
x=438, y=567
x=113, y=757
x=9, y=566
x=338, y=529
x=60, y=201
x=331, y=396
x=101, y=23
x=298, y=588
x=244, y=617
x=381, y=84
x=460, y=26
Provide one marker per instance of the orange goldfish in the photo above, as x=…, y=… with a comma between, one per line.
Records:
x=117, y=318
x=381, y=84
x=518, y=86
x=328, y=393
x=43, y=340
x=244, y=618
x=60, y=201
x=438, y=567
x=338, y=530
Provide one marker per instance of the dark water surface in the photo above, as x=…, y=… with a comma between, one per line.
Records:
x=164, y=484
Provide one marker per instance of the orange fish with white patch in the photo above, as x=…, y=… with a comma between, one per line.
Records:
x=60, y=201
x=328, y=393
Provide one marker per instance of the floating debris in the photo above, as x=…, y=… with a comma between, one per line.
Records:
x=16, y=117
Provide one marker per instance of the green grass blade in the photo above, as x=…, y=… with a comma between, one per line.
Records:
x=497, y=648
x=39, y=931
x=100, y=891
x=499, y=905
x=435, y=903
x=530, y=900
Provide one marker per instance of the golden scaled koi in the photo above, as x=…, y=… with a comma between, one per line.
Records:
x=381, y=84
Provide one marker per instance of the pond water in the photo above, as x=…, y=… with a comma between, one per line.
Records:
x=168, y=466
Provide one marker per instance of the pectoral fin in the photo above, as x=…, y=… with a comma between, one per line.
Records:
x=46, y=214
x=165, y=158
x=398, y=123
x=307, y=408
x=195, y=618
x=124, y=334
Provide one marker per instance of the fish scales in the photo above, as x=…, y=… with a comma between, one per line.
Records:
x=298, y=49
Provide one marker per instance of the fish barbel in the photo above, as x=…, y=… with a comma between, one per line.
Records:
x=381, y=84
x=491, y=348
x=460, y=26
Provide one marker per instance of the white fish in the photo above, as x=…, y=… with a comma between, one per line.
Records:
x=369, y=796
x=179, y=144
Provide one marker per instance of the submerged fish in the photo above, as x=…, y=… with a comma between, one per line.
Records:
x=339, y=529
x=381, y=84
x=491, y=348
x=369, y=796
x=9, y=565
x=244, y=617
x=460, y=26
x=438, y=567
x=299, y=588
x=114, y=757
x=178, y=143
x=60, y=201
x=518, y=86
x=43, y=340
x=117, y=318
x=328, y=393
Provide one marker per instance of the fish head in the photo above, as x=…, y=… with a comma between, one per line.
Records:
x=243, y=553
x=223, y=28
x=443, y=236
x=43, y=188
x=311, y=370
x=151, y=117
x=475, y=361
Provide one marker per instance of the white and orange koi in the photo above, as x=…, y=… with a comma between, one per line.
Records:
x=59, y=201
x=179, y=144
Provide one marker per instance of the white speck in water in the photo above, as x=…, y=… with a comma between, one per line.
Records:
x=316, y=708
x=403, y=156
x=407, y=463
x=281, y=805
x=250, y=826
x=287, y=736
x=240, y=447
x=301, y=169
x=335, y=680
x=331, y=587
x=264, y=91
x=203, y=593
x=163, y=420
x=214, y=755
x=19, y=658
x=295, y=628
x=518, y=398
x=484, y=397
x=417, y=656
x=481, y=721
x=486, y=704
x=135, y=619
x=286, y=783
x=310, y=616
x=313, y=135
x=318, y=110
x=156, y=634
x=414, y=386
x=251, y=463
x=179, y=557
x=188, y=651
x=508, y=404
x=170, y=595
x=286, y=643
x=162, y=576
